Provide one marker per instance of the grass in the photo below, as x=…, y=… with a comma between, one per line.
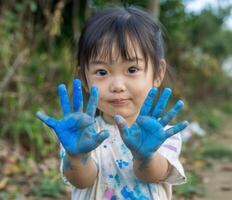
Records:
x=49, y=188
x=216, y=151
x=191, y=188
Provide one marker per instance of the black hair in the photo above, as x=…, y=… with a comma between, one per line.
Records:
x=110, y=29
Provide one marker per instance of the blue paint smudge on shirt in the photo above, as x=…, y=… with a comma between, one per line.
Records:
x=113, y=198
x=128, y=194
x=122, y=163
x=138, y=191
x=116, y=179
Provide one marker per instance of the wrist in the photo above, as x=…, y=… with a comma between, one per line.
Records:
x=71, y=162
x=80, y=158
x=141, y=161
x=157, y=169
x=143, y=158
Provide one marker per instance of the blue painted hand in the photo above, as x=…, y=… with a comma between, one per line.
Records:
x=76, y=130
x=147, y=133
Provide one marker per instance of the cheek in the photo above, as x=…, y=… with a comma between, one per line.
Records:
x=91, y=81
x=102, y=89
x=141, y=90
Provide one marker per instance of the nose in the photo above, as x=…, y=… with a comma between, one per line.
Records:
x=117, y=85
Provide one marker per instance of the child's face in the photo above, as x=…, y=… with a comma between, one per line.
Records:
x=123, y=86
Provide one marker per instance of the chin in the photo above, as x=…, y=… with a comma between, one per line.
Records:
x=127, y=115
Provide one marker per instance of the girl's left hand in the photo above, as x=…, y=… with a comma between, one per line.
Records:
x=147, y=133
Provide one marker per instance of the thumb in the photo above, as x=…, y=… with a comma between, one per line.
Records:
x=101, y=136
x=49, y=121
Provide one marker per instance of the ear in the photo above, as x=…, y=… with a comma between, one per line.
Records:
x=162, y=69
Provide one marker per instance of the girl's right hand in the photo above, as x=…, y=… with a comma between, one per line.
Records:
x=76, y=130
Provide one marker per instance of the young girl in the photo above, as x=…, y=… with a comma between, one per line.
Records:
x=129, y=152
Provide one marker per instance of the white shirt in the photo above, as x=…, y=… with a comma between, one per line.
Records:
x=116, y=178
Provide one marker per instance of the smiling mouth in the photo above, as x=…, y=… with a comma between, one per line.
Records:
x=119, y=102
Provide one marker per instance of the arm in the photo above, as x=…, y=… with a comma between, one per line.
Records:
x=81, y=171
x=77, y=133
x=156, y=170
x=147, y=134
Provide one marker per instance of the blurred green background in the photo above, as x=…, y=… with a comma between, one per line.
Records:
x=37, y=52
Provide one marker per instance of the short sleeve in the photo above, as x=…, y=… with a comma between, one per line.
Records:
x=171, y=149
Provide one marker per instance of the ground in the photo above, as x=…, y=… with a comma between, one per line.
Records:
x=217, y=180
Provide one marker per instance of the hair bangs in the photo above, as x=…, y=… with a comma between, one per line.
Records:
x=122, y=42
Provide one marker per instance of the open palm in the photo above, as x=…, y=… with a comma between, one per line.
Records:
x=76, y=130
x=147, y=133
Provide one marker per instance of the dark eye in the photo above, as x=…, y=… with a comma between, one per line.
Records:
x=101, y=72
x=133, y=69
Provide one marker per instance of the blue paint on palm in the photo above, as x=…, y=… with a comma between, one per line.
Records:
x=76, y=130
x=147, y=133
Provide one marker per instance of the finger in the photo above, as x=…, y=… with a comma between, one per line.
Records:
x=162, y=102
x=77, y=96
x=100, y=137
x=171, y=113
x=64, y=99
x=93, y=101
x=148, y=123
x=176, y=129
x=49, y=121
x=147, y=105
x=122, y=125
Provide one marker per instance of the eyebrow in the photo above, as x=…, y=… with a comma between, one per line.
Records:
x=96, y=62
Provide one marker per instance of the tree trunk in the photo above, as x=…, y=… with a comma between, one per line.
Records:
x=154, y=7
x=75, y=19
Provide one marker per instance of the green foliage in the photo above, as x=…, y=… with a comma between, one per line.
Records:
x=227, y=107
x=196, y=45
x=210, y=118
x=48, y=188
x=192, y=187
x=214, y=121
x=211, y=38
x=216, y=151
x=22, y=125
x=30, y=90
